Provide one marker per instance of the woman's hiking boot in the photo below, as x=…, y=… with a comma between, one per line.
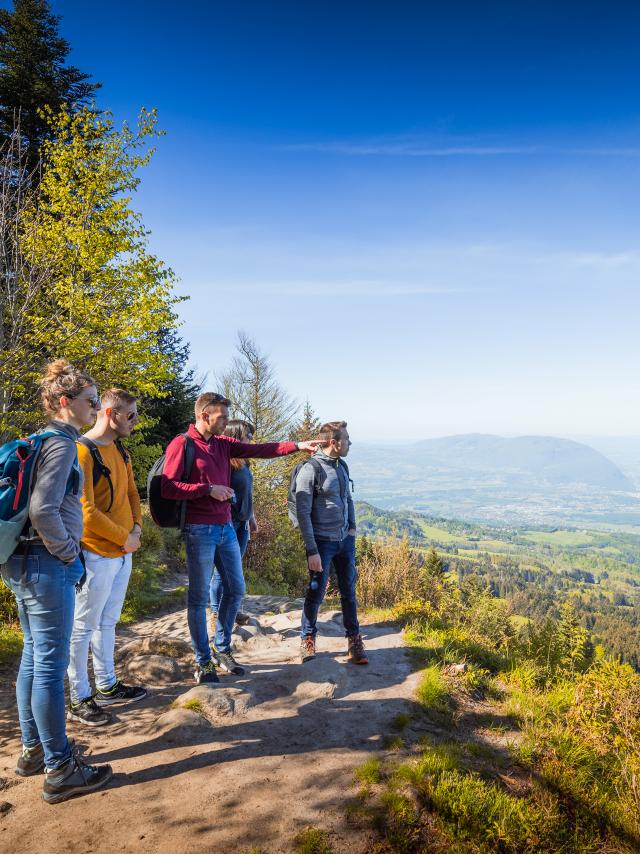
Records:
x=356, y=653
x=307, y=648
x=226, y=661
x=74, y=778
x=206, y=675
x=120, y=693
x=89, y=713
x=31, y=761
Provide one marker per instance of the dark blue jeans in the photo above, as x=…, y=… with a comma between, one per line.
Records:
x=46, y=600
x=343, y=556
x=216, y=589
x=201, y=542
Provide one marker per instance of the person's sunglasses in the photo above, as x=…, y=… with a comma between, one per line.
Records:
x=130, y=415
x=94, y=402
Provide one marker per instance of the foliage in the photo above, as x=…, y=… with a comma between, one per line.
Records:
x=104, y=297
x=34, y=75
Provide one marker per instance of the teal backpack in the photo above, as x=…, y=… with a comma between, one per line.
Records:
x=17, y=467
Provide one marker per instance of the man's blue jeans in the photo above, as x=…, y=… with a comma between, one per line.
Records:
x=201, y=544
x=46, y=600
x=343, y=556
x=216, y=588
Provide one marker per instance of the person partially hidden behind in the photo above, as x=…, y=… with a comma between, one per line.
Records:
x=326, y=518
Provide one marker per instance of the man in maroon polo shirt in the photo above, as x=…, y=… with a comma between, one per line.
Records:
x=208, y=524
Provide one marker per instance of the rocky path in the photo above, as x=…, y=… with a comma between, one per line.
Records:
x=242, y=766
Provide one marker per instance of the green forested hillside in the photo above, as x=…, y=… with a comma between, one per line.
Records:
x=536, y=569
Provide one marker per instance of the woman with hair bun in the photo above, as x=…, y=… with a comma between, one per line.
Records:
x=43, y=581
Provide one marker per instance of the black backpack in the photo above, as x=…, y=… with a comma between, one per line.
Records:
x=167, y=512
x=99, y=467
x=318, y=480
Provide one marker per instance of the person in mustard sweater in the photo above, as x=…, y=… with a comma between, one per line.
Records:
x=112, y=531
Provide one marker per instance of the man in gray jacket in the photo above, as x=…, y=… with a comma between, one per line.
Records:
x=326, y=517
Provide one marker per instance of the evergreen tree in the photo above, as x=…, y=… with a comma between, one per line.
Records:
x=171, y=409
x=33, y=74
x=307, y=427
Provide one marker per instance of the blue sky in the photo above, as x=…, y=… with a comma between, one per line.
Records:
x=427, y=214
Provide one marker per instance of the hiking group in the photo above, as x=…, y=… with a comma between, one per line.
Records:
x=70, y=521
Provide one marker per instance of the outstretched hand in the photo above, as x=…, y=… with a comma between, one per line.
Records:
x=309, y=446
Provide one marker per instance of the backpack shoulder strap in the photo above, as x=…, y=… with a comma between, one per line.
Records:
x=99, y=468
x=346, y=471
x=189, y=456
x=188, y=460
x=126, y=456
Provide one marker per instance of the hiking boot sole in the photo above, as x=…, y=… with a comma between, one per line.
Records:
x=107, y=701
x=81, y=720
x=75, y=791
x=361, y=662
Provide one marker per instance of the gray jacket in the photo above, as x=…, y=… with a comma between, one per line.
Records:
x=329, y=513
x=56, y=517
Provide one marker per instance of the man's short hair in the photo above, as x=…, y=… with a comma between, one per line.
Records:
x=116, y=398
x=332, y=430
x=210, y=398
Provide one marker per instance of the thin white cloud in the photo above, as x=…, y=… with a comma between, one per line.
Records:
x=407, y=149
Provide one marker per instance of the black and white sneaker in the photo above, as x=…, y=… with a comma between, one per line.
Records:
x=206, y=675
x=74, y=778
x=227, y=662
x=120, y=693
x=87, y=712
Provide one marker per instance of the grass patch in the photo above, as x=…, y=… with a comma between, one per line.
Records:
x=433, y=692
x=193, y=706
x=401, y=722
x=312, y=840
x=392, y=742
x=10, y=643
x=369, y=771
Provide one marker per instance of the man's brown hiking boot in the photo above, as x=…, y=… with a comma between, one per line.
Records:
x=307, y=648
x=357, y=655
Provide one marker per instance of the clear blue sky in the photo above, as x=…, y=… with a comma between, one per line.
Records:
x=428, y=214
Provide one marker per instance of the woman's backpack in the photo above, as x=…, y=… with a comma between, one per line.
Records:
x=17, y=466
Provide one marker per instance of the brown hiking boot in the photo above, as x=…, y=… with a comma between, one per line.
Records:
x=357, y=655
x=307, y=648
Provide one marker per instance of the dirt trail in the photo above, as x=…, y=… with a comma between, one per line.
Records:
x=244, y=765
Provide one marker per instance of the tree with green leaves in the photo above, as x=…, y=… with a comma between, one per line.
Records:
x=34, y=75
x=82, y=282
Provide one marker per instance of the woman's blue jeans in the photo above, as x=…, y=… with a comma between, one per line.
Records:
x=342, y=554
x=216, y=588
x=201, y=542
x=46, y=597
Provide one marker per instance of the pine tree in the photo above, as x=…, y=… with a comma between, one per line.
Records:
x=33, y=74
x=307, y=427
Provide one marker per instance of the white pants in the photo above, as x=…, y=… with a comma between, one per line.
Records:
x=98, y=608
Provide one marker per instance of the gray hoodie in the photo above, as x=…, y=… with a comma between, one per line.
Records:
x=56, y=516
x=329, y=513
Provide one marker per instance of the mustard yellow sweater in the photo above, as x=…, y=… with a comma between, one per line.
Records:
x=105, y=533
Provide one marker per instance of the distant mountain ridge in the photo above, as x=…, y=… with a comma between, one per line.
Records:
x=556, y=461
x=497, y=480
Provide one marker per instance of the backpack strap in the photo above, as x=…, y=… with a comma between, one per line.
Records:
x=188, y=460
x=99, y=468
x=316, y=465
x=126, y=456
x=346, y=471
